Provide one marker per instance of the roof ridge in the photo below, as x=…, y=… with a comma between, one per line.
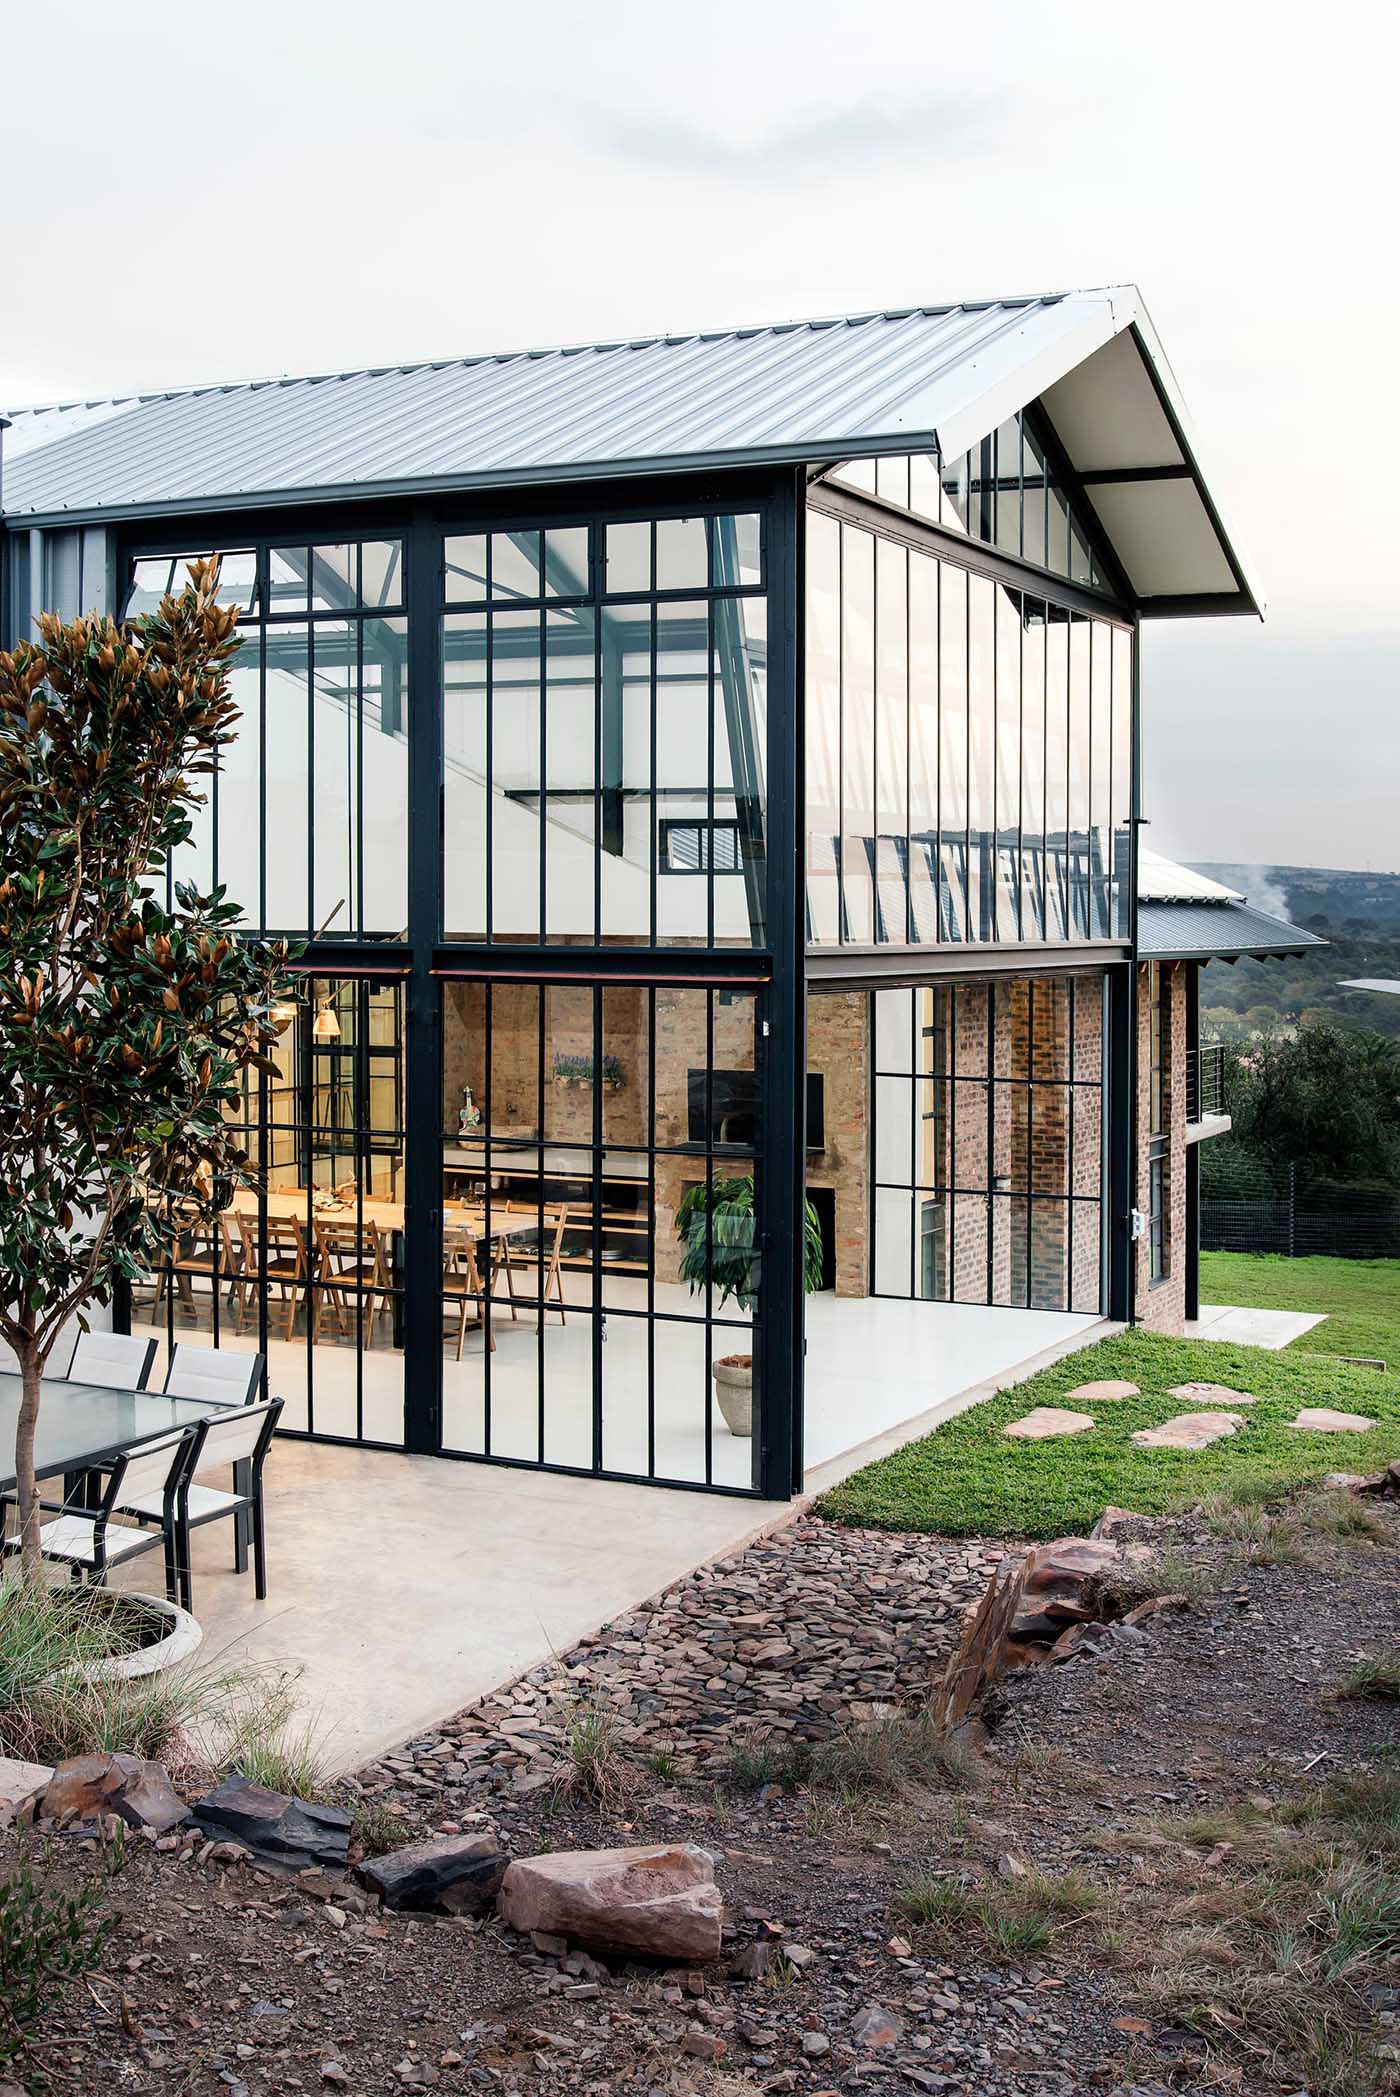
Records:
x=406, y=367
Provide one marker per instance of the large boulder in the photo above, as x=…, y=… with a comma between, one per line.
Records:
x=1058, y=1589
x=655, y=1902
x=139, y=1791
x=22, y=1785
x=293, y=1832
x=453, y=1875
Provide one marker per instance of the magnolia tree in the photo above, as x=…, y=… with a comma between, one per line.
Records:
x=125, y=1025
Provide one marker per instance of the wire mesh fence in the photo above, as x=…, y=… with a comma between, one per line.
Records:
x=1297, y=1218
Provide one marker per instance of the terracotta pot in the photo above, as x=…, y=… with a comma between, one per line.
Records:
x=733, y=1375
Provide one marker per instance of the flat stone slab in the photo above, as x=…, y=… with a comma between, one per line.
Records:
x=1189, y=1431
x=1216, y=1395
x=1321, y=1419
x=1107, y=1391
x=1045, y=1422
x=21, y=1785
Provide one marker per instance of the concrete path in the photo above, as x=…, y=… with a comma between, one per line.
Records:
x=1251, y=1328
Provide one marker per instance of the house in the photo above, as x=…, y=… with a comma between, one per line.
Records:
x=705, y=771
x=1185, y=921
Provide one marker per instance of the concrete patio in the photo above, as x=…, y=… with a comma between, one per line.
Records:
x=1251, y=1328
x=405, y=1587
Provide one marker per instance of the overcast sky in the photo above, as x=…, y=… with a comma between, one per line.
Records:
x=279, y=189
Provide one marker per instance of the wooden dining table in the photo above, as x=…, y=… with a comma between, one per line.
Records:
x=389, y=1215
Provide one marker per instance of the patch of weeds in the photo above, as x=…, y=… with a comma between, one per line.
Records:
x=890, y=1756
x=936, y=1903
x=662, y=1762
x=46, y=1938
x=757, y=1760
x=592, y=1748
x=1279, y=1942
x=1259, y=1536
x=1340, y=1515
x=377, y=1826
x=1372, y=1678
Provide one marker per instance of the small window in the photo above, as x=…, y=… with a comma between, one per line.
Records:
x=1158, y=1240
x=700, y=847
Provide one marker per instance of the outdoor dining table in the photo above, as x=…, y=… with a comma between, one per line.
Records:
x=84, y=1425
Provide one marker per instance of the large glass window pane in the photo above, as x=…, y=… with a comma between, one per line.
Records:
x=953, y=749
x=682, y=556
x=239, y=784
x=740, y=707
x=335, y=740
x=515, y=565
x=286, y=773
x=1101, y=779
x=516, y=773
x=384, y=816
x=857, y=734
x=1057, y=923
x=569, y=809
x=287, y=569
x=1007, y=756
x=381, y=573
x=1079, y=757
x=684, y=718
x=891, y=741
x=464, y=562
x=982, y=725
x=1032, y=770
x=464, y=775
x=823, y=727
x=1122, y=778
x=923, y=749
x=628, y=558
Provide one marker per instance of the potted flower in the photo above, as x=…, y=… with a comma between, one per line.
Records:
x=716, y=1226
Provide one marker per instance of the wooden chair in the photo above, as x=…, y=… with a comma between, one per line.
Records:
x=544, y=1251
x=286, y=1264
x=205, y=1250
x=352, y=1259
x=461, y=1283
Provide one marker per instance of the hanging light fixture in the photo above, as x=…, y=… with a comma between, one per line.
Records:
x=282, y=1014
x=325, y=1026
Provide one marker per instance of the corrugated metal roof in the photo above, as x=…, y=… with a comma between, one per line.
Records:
x=808, y=389
x=1387, y=984
x=1161, y=880
x=808, y=392
x=1215, y=931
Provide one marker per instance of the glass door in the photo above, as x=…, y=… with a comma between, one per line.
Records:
x=601, y=1272
x=309, y=1271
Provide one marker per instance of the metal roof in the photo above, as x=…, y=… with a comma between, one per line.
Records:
x=809, y=392
x=1215, y=931
x=1161, y=880
x=1382, y=983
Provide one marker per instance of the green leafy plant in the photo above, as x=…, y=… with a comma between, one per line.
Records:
x=125, y=1025
x=716, y=1226
x=45, y=1937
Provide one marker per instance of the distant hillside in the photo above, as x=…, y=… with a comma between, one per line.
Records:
x=1323, y=898
x=1357, y=914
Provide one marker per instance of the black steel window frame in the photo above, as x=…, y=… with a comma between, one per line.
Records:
x=1159, y=1265
x=706, y=831
x=713, y=1159
x=719, y=599
x=339, y=918
x=987, y=487
x=1096, y=906
x=423, y=523
x=942, y=1078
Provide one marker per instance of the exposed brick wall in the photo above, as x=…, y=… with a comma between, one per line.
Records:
x=1162, y=1305
x=838, y=1045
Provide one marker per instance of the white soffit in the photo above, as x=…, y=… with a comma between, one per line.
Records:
x=1107, y=414
x=1163, y=535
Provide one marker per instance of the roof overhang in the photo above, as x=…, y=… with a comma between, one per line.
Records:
x=1215, y=931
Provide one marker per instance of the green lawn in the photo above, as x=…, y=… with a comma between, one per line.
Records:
x=1361, y=1297
x=966, y=1479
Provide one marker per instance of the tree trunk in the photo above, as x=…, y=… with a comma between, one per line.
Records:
x=31, y=1364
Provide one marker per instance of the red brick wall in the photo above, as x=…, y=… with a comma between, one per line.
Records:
x=1162, y=1305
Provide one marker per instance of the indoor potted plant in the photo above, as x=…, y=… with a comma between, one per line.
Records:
x=716, y=1226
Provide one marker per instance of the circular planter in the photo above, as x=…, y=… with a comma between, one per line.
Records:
x=180, y=1635
x=733, y=1375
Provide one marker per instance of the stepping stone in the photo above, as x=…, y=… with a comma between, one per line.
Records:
x=1189, y=1431
x=1320, y=1419
x=1106, y=1392
x=1211, y=1394
x=1047, y=1421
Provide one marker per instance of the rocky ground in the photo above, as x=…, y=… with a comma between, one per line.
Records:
x=224, y=1977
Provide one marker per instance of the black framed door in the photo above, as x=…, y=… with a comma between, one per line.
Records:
x=602, y=1226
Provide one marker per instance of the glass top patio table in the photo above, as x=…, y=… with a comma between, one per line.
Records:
x=83, y=1424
